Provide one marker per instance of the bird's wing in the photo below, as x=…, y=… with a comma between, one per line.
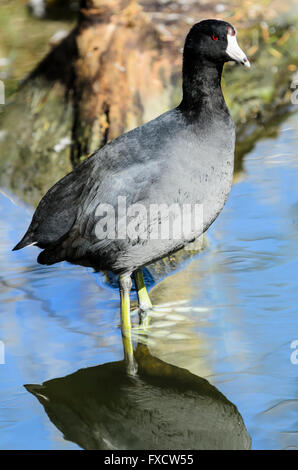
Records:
x=111, y=171
x=57, y=210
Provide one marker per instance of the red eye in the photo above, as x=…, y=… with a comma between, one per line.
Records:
x=215, y=38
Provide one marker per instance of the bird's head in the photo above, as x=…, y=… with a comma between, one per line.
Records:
x=214, y=41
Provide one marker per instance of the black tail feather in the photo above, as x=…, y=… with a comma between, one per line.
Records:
x=26, y=240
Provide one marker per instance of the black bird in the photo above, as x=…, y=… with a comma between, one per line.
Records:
x=113, y=212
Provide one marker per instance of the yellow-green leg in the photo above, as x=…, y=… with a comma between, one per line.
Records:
x=125, y=287
x=144, y=300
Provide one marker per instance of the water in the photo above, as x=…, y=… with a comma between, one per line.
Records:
x=229, y=316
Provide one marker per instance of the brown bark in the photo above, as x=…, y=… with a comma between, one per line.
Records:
x=121, y=72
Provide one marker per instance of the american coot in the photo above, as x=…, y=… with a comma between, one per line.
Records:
x=97, y=215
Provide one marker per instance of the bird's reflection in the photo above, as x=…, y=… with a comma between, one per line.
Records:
x=162, y=407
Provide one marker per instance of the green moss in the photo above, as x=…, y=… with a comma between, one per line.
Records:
x=24, y=41
x=32, y=126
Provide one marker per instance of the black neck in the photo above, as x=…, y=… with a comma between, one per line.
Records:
x=201, y=88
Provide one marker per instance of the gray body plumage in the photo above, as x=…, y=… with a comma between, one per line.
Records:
x=170, y=160
x=183, y=157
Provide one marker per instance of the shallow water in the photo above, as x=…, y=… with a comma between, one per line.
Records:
x=229, y=315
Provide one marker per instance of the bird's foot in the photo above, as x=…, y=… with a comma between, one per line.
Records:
x=144, y=315
x=131, y=366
